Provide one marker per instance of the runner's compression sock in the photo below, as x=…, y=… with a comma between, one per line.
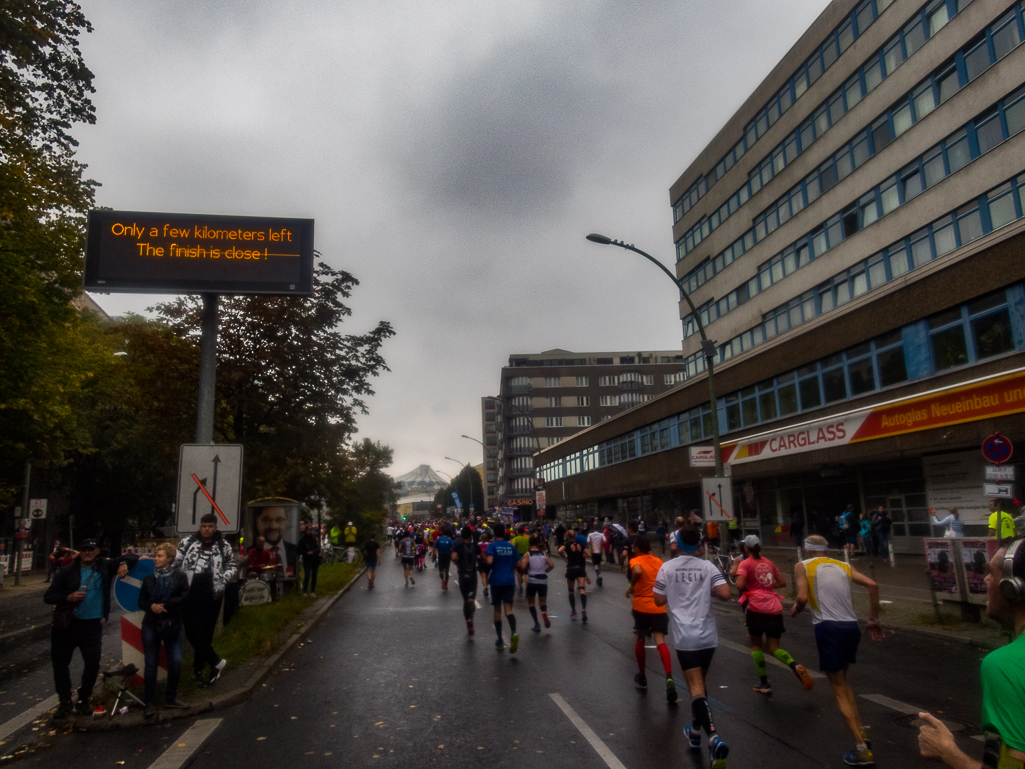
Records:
x=512, y=622
x=468, y=610
x=641, y=653
x=785, y=658
x=572, y=602
x=583, y=601
x=533, y=614
x=667, y=660
x=759, y=658
x=702, y=714
x=498, y=628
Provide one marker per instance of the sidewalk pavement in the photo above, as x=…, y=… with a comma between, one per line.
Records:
x=23, y=615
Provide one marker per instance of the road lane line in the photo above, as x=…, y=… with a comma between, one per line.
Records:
x=600, y=747
x=27, y=717
x=903, y=707
x=768, y=657
x=185, y=746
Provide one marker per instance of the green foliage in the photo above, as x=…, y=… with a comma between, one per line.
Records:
x=45, y=356
x=468, y=485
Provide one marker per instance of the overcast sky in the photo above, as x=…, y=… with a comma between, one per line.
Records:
x=453, y=154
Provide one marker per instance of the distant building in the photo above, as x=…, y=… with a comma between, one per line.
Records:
x=546, y=397
x=418, y=488
x=853, y=240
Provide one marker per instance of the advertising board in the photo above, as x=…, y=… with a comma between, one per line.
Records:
x=147, y=252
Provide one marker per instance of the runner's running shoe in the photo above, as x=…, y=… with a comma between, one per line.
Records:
x=641, y=681
x=859, y=758
x=544, y=616
x=537, y=627
x=802, y=673
x=693, y=736
x=500, y=645
x=514, y=644
x=762, y=688
x=717, y=752
x=469, y=627
x=670, y=690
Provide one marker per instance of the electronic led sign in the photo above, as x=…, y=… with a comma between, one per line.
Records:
x=146, y=252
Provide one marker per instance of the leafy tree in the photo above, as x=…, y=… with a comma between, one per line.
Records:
x=44, y=359
x=369, y=492
x=290, y=384
x=467, y=484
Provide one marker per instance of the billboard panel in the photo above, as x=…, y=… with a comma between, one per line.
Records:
x=146, y=252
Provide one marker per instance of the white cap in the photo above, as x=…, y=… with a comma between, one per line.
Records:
x=752, y=540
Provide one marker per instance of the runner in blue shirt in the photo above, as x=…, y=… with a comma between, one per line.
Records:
x=503, y=559
x=443, y=550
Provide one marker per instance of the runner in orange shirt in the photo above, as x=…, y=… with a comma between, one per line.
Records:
x=649, y=619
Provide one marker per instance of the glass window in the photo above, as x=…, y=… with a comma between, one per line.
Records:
x=827, y=174
x=893, y=56
x=787, y=399
x=925, y=101
x=862, y=376
x=853, y=92
x=958, y=152
x=943, y=236
x=842, y=289
x=733, y=416
x=873, y=76
x=814, y=68
x=989, y=133
x=911, y=181
x=876, y=272
x=859, y=283
x=992, y=334
x=749, y=407
x=836, y=109
x=869, y=209
x=810, y=395
x=938, y=18
x=976, y=61
x=902, y=120
x=933, y=167
x=1001, y=206
x=1015, y=115
x=948, y=83
x=821, y=122
x=969, y=223
x=1006, y=38
x=844, y=163
x=892, y=369
x=949, y=348
x=864, y=17
x=825, y=298
x=881, y=135
x=833, y=385
x=898, y=258
x=861, y=151
x=914, y=36
x=921, y=251
x=845, y=36
x=889, y=198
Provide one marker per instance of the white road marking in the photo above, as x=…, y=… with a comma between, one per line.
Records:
x=903, y=707
x=768, y=657
x=185, y=746
x=600, y=747
x=27, y=717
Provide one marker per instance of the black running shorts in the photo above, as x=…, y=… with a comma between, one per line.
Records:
x=770, y=625
x=647, y=623
x=541, y=590
x=696, y=658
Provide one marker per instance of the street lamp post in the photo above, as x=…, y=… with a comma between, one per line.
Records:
x=707, y=345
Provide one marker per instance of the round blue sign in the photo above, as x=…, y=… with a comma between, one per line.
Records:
x=126, y=590
x=997, y=449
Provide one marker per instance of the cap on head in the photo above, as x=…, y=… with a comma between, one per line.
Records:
x=751, y=540
x=350, y=523
x=89, y=544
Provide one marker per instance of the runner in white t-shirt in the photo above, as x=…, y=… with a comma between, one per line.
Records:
x=595, y=541
x=685, y=586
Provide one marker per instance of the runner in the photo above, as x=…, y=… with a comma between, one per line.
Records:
x=522, y=544
x=370, y=549
x=466, y=554
x=649, y=619
x=421, y=548
x=407, y=551
x=443, y=553
x=825, y=584
x=595, y=541
x=686, y=585
x=576, y=572
x=485, y=567
x=764, y=616
x=503, y=559
x=536, y=564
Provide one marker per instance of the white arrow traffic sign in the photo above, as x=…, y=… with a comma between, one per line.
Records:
x=209, y=481
x=717, y=499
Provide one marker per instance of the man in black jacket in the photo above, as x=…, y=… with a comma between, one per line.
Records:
x=80, y=594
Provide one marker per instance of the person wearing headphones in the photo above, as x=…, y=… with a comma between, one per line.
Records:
x=1002, y=674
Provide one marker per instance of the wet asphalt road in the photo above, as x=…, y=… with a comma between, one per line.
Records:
x=390, y=678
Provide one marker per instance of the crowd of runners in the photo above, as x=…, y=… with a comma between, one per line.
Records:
x=669, y=598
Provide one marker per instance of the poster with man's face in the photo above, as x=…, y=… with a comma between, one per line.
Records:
x=279, y=527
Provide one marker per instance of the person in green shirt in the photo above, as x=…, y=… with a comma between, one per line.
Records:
x=335, y=535
x=522, y=544
x=1003, y=677
x=999, y=519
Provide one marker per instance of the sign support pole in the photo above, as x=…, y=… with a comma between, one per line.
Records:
x=207, y=370
x=20, y=543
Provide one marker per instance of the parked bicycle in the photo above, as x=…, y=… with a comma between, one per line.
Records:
x=724, y=560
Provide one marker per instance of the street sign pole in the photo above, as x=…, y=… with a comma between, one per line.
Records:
x=207, y=370
x=19, y=542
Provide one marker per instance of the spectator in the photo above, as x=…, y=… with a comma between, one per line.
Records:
x=660, y=535
x=953, y=522
x=1000, y=520
x=209, y=564
x=80, y=595
x=865, y=534
x=260, y=561
x=161, y=597
x=1003, y=676
x=56, y=559
x=883, y=532
x=350, y=535
x=309, y=551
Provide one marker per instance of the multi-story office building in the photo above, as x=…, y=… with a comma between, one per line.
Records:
x=853, y=241
x=546, y=397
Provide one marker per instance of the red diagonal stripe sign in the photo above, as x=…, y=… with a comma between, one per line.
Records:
x=207, y=494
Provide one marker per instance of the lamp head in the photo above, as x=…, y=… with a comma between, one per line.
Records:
x=595, y=238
